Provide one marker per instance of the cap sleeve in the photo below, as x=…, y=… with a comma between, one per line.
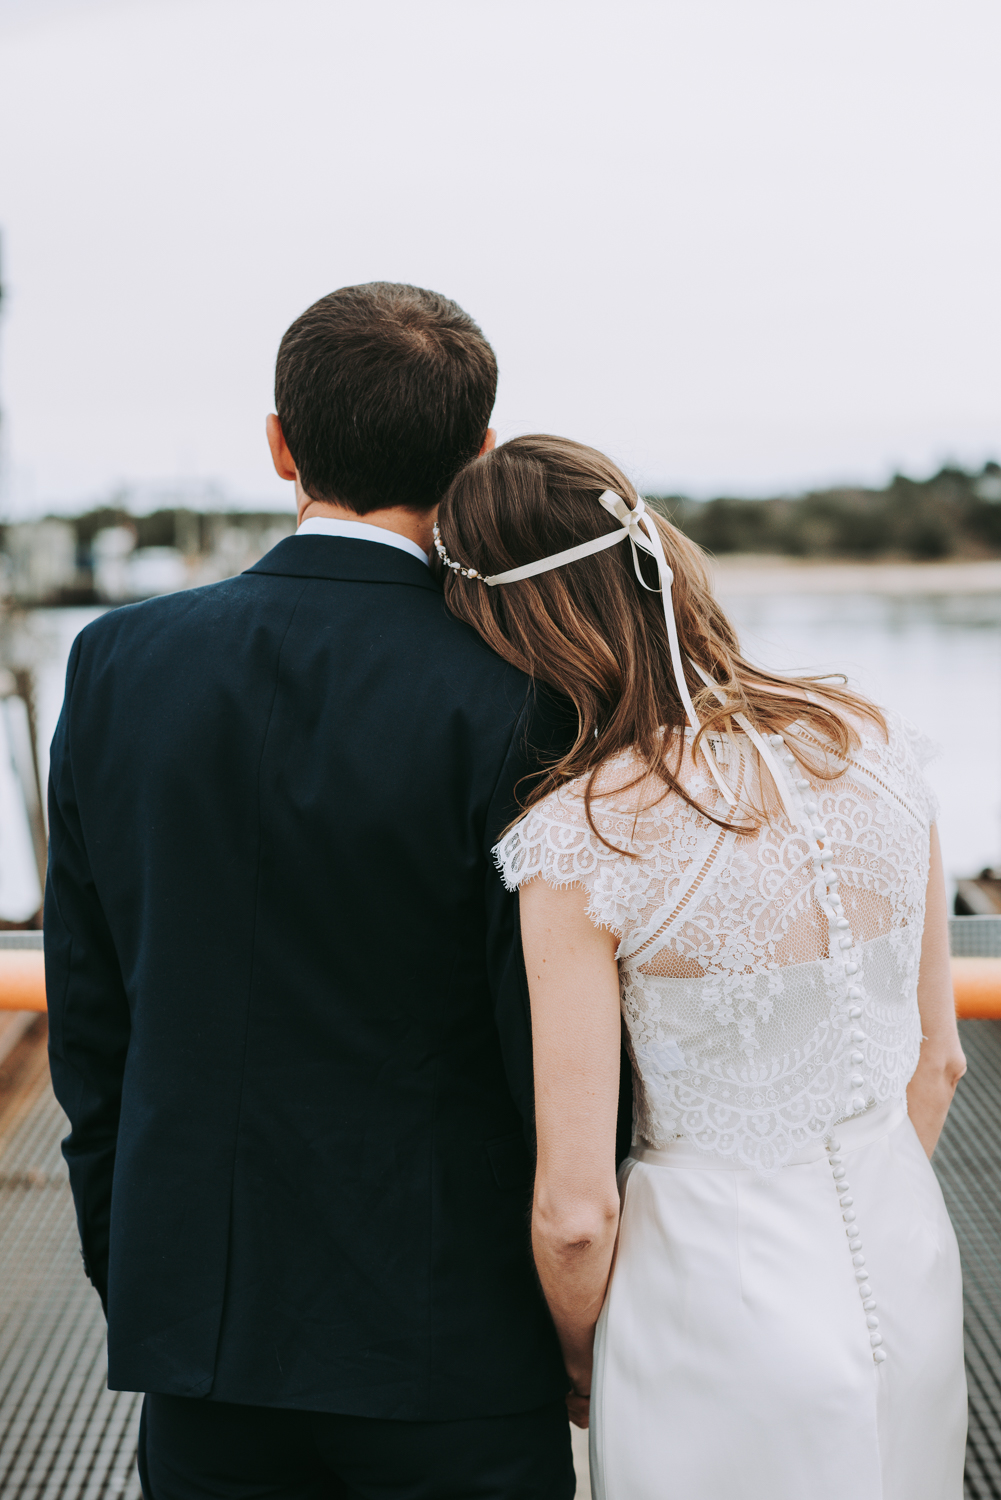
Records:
x=555, y=841
x=920, y=746
x=912, y=751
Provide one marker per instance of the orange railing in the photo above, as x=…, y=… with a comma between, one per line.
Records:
x=22, y=979
x=976, y=981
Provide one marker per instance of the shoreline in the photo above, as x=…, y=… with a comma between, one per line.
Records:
x=749, y=574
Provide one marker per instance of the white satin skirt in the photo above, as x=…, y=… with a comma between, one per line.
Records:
x=736, y=1357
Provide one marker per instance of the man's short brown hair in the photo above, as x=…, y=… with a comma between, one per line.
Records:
x=384, y=392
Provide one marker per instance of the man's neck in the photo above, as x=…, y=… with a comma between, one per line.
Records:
x=415, y=525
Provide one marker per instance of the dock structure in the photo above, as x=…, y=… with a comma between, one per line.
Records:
x=64, y=1436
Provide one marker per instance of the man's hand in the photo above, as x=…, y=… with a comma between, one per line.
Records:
x=579, y=1408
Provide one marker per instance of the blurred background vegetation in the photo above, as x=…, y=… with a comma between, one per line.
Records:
x=952, y=514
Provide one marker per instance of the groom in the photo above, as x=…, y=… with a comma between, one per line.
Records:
x=286, y=1001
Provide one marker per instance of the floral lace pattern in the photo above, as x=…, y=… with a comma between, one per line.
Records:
x=769, y=981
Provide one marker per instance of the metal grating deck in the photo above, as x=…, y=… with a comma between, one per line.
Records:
x=968, y=1163
x=64, y=1436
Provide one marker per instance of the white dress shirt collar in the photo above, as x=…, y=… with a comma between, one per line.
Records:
x=360, y=531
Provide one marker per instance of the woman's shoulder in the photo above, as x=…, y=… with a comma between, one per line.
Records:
x=906, y=740
x=619, y=784
x=611, y=837
x=894, y=752
x=591, y=836
x=621, y=800
x=557, y=833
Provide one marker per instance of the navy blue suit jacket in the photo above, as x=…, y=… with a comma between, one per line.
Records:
x=288, y=1018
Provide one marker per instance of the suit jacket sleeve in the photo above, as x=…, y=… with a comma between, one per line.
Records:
x=88, y=1012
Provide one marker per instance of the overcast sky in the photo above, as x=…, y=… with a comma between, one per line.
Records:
x=744, y=245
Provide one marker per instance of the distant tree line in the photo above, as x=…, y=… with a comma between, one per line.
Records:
x=953, y=514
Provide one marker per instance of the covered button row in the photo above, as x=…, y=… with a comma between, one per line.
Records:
x=840, y=1175
x=838, y=921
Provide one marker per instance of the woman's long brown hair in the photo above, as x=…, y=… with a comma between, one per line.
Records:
x=589, y=631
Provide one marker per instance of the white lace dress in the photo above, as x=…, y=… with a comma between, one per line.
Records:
x=784, y=1318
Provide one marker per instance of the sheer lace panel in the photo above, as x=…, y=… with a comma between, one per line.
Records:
x=769, y=982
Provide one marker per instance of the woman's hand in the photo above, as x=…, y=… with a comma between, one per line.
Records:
x=573, y=981
x=941, y=1064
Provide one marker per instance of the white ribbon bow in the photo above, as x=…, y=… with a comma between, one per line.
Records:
x=633, y=520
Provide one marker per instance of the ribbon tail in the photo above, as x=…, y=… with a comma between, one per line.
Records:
x=636, y=565
x=666, y=580
x=763, y=748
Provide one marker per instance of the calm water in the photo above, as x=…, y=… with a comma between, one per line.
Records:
x=937, y=659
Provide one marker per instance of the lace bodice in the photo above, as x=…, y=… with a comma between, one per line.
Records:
x=769, y=981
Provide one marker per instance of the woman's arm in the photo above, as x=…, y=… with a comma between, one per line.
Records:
x=576, y=1030
x=941, y=1064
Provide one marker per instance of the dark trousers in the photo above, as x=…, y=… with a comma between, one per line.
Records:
x=211, y=1450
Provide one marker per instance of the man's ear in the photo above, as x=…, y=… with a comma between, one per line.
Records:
x=489, y=442
x=280, y=456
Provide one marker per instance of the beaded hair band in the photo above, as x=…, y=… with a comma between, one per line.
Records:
x=439, y=547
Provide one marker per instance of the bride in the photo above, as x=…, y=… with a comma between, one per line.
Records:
x=744, y=869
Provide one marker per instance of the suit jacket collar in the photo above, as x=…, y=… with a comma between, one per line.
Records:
x=346, y=559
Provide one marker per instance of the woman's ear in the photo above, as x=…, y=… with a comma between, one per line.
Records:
x=490, y=441
x=280, y=456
